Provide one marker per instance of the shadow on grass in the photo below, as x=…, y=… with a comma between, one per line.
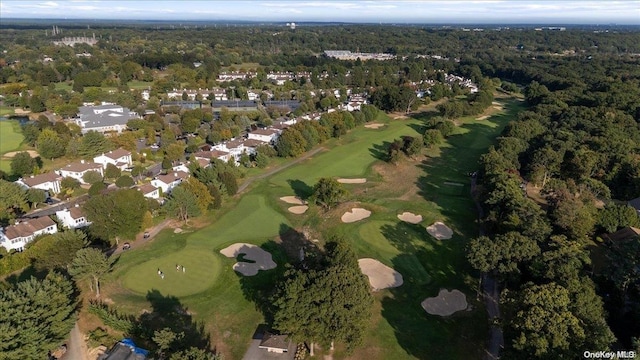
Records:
x=380, y=151
x=300, y=188
x=169, y=312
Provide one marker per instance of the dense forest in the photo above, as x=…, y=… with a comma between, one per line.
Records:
x=555, y=183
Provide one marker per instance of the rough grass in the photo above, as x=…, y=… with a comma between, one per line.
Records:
x=399, y=328
x=6, y=110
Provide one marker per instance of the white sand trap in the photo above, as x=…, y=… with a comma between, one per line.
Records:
x=446, y=303
x=483, y=117
x=11, y=154
x=410, y=217
x=380, y=275
x=352, y=181
x=495, y=103
x=262, y=259
x=298, y=209
x=292, y=200
x=440, y=231
x=356, y=214
x=374, y=126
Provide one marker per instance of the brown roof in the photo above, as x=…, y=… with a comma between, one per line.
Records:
x=233, y=143
x=81, y=167
x=623, y=234
x=253, y=143
x=41, y=179
x=118, y=153
x=213, y=154
x=27, y=228
x=76, y=212
x=147, y=188
x=173, y=176
x=274, y=341
x=202, y=162
x=268, y=132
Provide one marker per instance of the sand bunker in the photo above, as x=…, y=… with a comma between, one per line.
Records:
x=298, y=209
x=352, y=181
x=356, y=214
x=292, y=200
x=440, y=231
x=483, y=117
x=374, y=126
x=446, y=303
x=261, y=259
x=380, y=275
x=11, y=154
x=410, y=217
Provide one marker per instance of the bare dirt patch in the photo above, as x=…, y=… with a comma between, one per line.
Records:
x=410, y=217
x=374, y=126
x=440, y=231
x=380, y=275
x=292, y=200
x=262, y=259
x=484, y=117
x=19, y=111
x=399, y=181
x=356, y=214
x=11, y=154
x=446, y=303
x=352, y=181
x=298, y=209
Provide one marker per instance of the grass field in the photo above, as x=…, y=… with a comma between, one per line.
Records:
x=400, y=328
x=6, y=110
x=10, y=140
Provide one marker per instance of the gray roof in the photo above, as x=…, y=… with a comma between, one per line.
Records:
x=635, y=203
x=109, y=115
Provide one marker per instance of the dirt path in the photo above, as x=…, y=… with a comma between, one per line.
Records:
x=490, y=293
x=250, y=180
x=140, y=240
x=76, y=347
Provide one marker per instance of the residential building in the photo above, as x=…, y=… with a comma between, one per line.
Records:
x=149, y=191
x=72, y=218
x=48, y=182
x=212, y=154
x=265, y=135
x=17, y=236
x=169, y=181
x=273, y=343
x=78, y=169
x=635, y=203
x=121, y=158
x=235, y=75
x=104, y=118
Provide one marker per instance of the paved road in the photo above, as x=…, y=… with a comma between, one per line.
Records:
x=51, y=210
x=76, y=347
x=250, y=180
x=490, y=293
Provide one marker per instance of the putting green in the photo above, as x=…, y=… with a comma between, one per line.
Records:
x=201, y=270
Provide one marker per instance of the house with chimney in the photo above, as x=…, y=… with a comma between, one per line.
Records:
x=72, y=218
x=268, y=136
x=169, y=181
x=149, y=191
x=16, y=237
x=48, y=182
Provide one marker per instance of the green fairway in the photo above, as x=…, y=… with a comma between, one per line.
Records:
x=6, y=110
x=10, y=136
x=201, y=271
x=139, y=85
x=437, y=188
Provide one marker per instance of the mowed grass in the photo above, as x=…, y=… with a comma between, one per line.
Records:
x=10, y=139
x=6, y=110
x=399, y=328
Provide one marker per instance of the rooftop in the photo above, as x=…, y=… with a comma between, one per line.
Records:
x=273, y=341
x=34, y=180
x=81, y=167
x=27, y=228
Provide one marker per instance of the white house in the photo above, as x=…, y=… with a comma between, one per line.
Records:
x=264, y=135
x=213, y=154
x=15, y=237
x=47, y=182
x=78, y=169
x=169, y=181
x=73, y=218
x=149, y=191
x=253, y=95
x=104, y=118
x=121, y=158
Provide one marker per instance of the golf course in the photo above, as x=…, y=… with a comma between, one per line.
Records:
x=10, y=139
x=434, y=185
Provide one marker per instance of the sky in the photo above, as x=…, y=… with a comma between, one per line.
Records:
x=399, y=11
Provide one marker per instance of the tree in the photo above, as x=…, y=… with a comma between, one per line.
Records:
x=90, y=263
x=57, y=251
x=23, y=164
x=291, y=143
x=214, y=191
x=50, y=145
x=111, y=172
x=307, y=306
x=97, y=188
x=432, y=137
x=93, y=143
x=92, y=177
x=262, y=160
x=69, y=183
x=200, y=192
x=614, y=217
x=229, y=181
x=505, y=253
x=164, y=339
x=13, y=200
x=125, y=181
x=36, y=316
x=328, y=192
x=182, y=204
x=195, y=354
x=36, y=196
x=116, y=214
